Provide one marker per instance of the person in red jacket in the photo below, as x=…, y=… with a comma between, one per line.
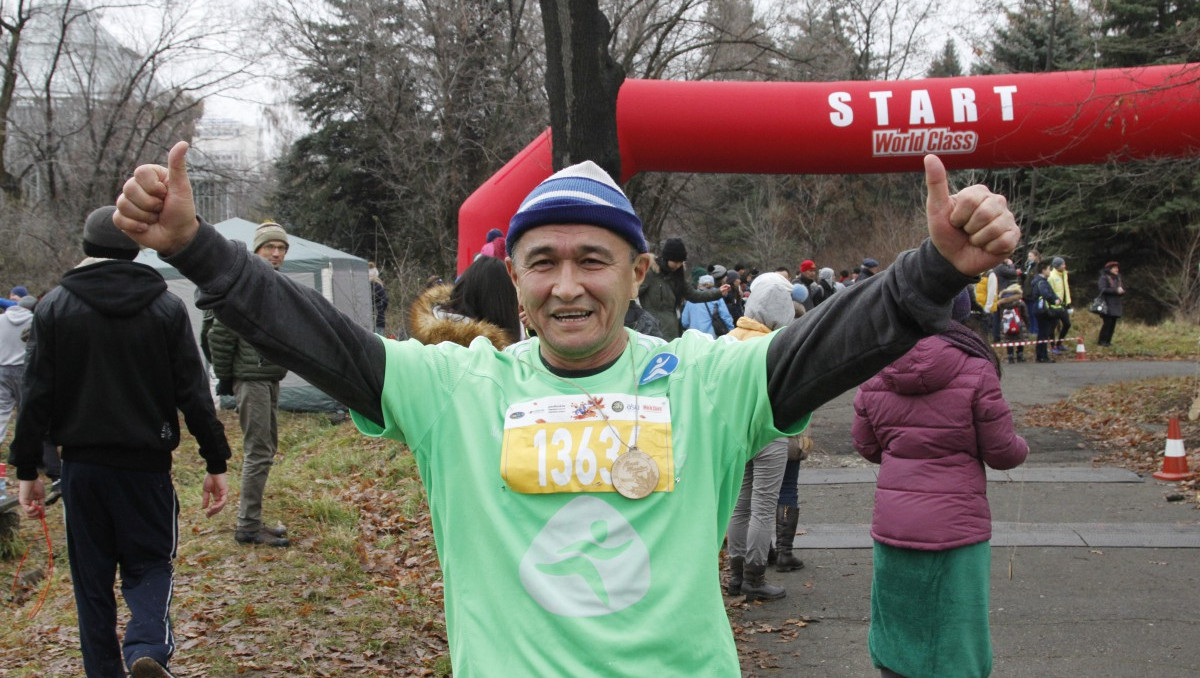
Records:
x=932, y=420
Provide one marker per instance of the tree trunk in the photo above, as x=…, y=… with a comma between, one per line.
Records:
x=582, y=81
x=10, y=185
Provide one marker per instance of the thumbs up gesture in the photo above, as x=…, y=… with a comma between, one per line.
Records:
x=156, y=208
x=973, y=229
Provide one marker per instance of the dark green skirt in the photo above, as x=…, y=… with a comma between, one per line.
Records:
x=929, y=612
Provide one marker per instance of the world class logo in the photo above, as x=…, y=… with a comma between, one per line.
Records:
x=891, y=142
x=923, y=134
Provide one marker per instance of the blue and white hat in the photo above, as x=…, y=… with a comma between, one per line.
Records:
x=579, y=194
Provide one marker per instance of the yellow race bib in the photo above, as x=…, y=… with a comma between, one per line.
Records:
x=569, y=443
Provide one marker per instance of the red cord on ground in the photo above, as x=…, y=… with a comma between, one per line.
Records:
x=49, y=568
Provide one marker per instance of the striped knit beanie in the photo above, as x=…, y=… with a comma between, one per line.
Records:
x=269, y=231
x=579, y=194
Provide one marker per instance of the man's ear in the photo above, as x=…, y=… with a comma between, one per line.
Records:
x=641, y=265
x=512, y=274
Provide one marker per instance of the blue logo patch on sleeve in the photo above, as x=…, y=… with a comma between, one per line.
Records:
x=660, y=366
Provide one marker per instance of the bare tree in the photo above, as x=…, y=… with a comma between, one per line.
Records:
x=90, y=91
x=14, y=18
x=887, y=35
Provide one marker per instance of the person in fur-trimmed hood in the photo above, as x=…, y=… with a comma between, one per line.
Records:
x=483, y=303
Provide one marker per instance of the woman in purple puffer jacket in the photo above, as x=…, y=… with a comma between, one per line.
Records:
x=932, y=420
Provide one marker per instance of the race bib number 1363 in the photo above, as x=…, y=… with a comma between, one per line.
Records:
x=565, y=443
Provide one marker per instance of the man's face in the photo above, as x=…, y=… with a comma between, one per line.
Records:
x=273, y=251
x=809, y=274
x=575, y=283
x=674, y=265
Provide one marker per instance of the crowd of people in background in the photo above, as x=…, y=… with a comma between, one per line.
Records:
x=1011, y=306
x=1032, y=304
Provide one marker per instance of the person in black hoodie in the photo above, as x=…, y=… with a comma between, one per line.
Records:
x=111, y=362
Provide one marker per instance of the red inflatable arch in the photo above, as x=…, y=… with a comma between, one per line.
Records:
x=1063, y=118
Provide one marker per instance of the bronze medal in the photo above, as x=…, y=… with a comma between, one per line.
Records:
x=635, y=474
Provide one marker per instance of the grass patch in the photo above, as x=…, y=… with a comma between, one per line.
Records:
x=1132, y=340
x=1170, y=340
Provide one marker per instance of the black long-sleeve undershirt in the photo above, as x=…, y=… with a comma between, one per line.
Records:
x=831, y=349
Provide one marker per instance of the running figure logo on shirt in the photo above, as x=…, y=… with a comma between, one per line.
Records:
x=587, y=561
x=661, y=365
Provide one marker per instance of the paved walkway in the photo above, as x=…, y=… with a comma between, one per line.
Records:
x=1093, y=569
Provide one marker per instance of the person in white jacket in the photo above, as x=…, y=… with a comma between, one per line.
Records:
x=14, y=323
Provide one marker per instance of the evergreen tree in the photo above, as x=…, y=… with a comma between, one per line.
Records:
x=1144, y=214
x=329, y=191
x=1145, y=32
x=946, y=65
x=1040, y=36
x=411, y=105
x=1037, y=36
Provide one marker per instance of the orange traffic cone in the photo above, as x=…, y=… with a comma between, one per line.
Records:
x=1174, y=458
x=1080, y=351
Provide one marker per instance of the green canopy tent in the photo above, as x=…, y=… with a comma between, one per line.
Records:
x=339, y=277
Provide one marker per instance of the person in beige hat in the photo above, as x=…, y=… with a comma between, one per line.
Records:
x=253, y=381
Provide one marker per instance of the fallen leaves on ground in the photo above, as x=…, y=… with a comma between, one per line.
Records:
x=1127, y=421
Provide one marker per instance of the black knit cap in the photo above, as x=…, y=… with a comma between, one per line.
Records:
x=674, y=250
x=102, y=238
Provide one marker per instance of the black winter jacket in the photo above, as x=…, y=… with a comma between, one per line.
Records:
x=1109, y=284
x=110, y=360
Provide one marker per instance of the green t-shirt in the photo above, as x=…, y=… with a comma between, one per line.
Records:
x=547, y=570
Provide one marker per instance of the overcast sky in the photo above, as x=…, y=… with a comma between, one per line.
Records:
x=968, y=23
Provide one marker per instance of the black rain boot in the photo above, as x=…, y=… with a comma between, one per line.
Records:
x=755, y=586
x=734, y=586
x=786, y=519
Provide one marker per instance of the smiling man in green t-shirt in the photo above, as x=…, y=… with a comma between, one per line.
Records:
x=580, y=482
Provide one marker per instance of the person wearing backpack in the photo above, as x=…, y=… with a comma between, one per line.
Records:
x=1006, y=274
x=1011, y=309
